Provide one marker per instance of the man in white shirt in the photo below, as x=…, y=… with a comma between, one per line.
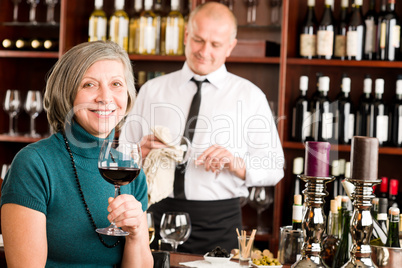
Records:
x=235, y=143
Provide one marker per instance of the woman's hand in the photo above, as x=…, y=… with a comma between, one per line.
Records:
x=216, y=158
x=127, y=213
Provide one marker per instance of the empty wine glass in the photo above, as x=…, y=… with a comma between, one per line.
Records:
x=50, y=11
x=12, y=105
x=251, y=11
x=175, y=228
x=15, y=10
x=260, y=198
x=151, y=226
x=119, y=163
x=275, y=6
x=32, y=10
x=33, y=106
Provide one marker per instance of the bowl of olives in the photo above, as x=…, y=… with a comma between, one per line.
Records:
x=218, y=255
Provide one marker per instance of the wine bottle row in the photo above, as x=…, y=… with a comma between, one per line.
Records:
x=337, y=121
x=31, y=44
x=149, y=31
x=351, y=35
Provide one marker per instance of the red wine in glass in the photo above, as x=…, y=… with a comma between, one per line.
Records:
x=120, y=175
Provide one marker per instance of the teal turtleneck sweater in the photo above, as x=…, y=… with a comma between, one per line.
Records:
x=42, y=178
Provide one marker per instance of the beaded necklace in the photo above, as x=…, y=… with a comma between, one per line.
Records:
x=82, y=195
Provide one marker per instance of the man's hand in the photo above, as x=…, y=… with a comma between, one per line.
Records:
x=216, y=158
x=150, y=142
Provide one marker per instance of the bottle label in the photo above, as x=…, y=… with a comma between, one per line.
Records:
x=382, y=128
x=351, y=124
x=306, y=128
x=172, y=36
x=325, y=41
x=383, y=35
x=400, y=130
x=370, y=40
x=97, y=29
x=340, y=46
x=297, y=215
x=119, y=31
x=351, y=43
x=308, y=45
x=149, y=36
x=396, y=36
x=327, y=125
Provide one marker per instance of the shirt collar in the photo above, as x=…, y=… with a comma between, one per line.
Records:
x=216, y=78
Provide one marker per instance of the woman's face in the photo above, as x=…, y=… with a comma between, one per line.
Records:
x=102, y=98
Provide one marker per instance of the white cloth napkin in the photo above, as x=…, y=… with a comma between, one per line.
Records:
x=159, y=166
x=206, y=264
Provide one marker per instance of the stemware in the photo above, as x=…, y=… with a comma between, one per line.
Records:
x=260, y=198
x=15, y=10
x=119, y=163
x=50, y=11
x=275, y=6
x=33, y=106
x=151, y=226
x=175, y=228
x=251, y=10
x=12, y=105
x=32, y=10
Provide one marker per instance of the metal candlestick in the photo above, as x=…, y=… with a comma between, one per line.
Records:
x=361, y=225
x=314, y=222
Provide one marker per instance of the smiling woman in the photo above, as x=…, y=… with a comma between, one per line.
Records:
x=88, y=93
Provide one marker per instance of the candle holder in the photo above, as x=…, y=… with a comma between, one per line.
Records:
x=314, y=221
x=361, y=225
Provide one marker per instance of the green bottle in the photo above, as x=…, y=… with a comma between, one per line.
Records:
x=393, y=228
x=342, y=254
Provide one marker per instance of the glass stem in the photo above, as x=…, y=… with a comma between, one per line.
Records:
x=15, y=13
x=116, y=193
x=11, y=125
x=32, y=126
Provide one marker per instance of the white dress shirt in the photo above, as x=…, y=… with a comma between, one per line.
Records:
x=234, y=113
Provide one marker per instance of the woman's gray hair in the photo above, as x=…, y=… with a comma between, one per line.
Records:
x=66, y=75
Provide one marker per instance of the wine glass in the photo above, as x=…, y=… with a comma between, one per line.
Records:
x=32, y=11
x=151, y=226
x=119, y=163
x=15, y=10
x=275, y=6
x=260, y=198
x=175, y=228
x=12, y=105
x=33, y=106
x=50, y=11
x=251, y=10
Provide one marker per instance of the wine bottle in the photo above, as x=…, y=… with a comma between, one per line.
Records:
x=381, y=14
x=341, y=30
x=383, y=187
x=297, y=215
x=323, y=114
x=363, y=111
x=297, y=170
x=118, y=25
x=148, y=30
x=342, y=254
x=134, y=28
x=382, y=215
x=370, y=19
x=344, y=115
x=379, y=115
x=308, y=33
x=341, y=177
x=97, y=23
x=8, y=43
x=375, y=207
x=393, y=229
x=356, y=33
x=335, y=182
x=396, y=115
x=301, y=121
x=393, y=193
x=390, y=38
x=159, y=17
x=379, y=236
x=331, y=242
x=326, y=33
x=174, y=30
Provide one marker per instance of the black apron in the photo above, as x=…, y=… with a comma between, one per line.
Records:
x=213, y=223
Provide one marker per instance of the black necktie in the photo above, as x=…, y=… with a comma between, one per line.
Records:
x=189, y=133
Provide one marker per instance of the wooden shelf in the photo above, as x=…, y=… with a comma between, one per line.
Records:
x=342, y=148
x=20, y=139
x=345, y=63
x=28, y=54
